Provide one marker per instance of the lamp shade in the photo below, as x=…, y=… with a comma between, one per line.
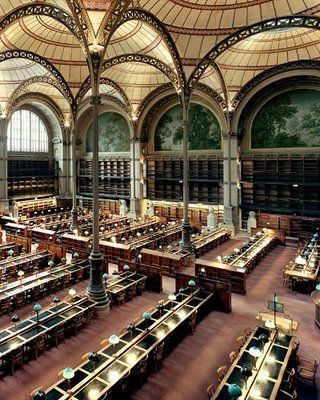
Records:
x=234, y=390
x=39, y=395
x=76, y=254
x=68, y=373
x=318, y=287
x=72, y=292
x=15, y=318
x=146, y=315
x=50, y=263
x=37, y=307
x=192, y=283
x=11, y=252
x=114, y=339
x=270, y=324
x=181, y=243
x=105, y=276
x=246, y=371
x=93, y=356
x=56, y=300
x=263, y=338
x=172, y=297
x=126, y=267
x=255, y=351
x=131, y=327
x=20, y=273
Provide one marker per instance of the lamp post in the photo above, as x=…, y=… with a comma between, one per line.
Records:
x=192, y=284
x=246, y=372
x=172, y=297
x=68, y=374
x=131, y=328
x=37, y=308
x=147, y=317
x=15, y=319
x=114, y=340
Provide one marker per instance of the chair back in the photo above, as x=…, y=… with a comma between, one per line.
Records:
x=232, y=356
x=221, y=371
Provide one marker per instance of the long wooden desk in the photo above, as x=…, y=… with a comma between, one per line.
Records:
x=97, y=379
x=123, y=284
x=13, y=289
x=22, y=262
x=208, y=242
x=237, y=270
x=28, y=330
x=270, y=367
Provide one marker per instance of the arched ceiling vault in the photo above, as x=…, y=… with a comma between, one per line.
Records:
x=220, y=44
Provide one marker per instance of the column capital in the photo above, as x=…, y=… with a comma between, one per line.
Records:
x=232, y=135
x=95, y=100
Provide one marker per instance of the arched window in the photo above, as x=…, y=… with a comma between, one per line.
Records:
x=27, y=132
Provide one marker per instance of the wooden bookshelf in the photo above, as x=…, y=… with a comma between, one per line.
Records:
x=32, y=176
x=114, y=177
x=281, y=183
x=164, y=179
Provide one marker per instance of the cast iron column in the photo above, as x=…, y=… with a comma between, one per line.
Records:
x=186, y=224
x=4, y=202
x=74, y=211
x=96, y=289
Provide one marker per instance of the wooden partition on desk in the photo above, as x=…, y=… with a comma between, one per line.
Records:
x=221, y=290
x=115, y=251
x=59, y=251
x=153, y=274
x=25, y=242
x=279, y=234
x=40, y=234
x=74, y=243
x=169, y=263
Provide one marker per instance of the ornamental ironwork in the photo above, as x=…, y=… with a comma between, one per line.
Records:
x=151, y=96
x=169, y=72
x=103, y=81
x=39, y=79
x=291, y=66
x=268, y=25
x=151, y=20
x=31, y=96
x=42, y=9
x=28, y=55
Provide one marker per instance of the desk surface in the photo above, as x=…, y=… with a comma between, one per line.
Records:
x=28, y=329
x=265, y=381
x=114, y=363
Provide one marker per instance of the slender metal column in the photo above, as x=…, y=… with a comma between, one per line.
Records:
x=74, y=211
x=4, y=202
x=186, y=224
x=96, y=288
x=133, y=208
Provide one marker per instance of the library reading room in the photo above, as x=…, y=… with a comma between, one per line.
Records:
x=159, y=199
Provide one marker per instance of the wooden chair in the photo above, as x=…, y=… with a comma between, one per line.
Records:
x=40, y=346
x=221, y=372
x=120, y=298
x=241, y=340
x=308, y=369
x=32, y=394
x=85, y=357
x=158, y=357
x=15, y=359
x=5, y=306
x=141, y=372
x=193, y=322
x=247, y=331
x=52, y=286
x=136, y=321
x=103, y=343
x=211, y=390
x=287, y=396
x=288, y=381
x=232, y=356
x=77, y=324
x=90, y=316
x=141, y=287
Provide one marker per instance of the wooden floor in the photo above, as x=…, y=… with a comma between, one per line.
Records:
x=191, y=366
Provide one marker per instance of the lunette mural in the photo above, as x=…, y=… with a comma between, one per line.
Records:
x=290, y=119
x=204, y=130
x=114, y=134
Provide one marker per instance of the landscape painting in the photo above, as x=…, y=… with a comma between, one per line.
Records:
x=114, y=134
x=291, y=119
x=204, y=130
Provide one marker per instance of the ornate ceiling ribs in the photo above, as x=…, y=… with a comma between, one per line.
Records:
x=111, y=20
x=37, y=79
x=269, y=25
x=212, y=93
x=7, y=55
x=169, y=72
x=42, y=9
x=109, y=98
x=87, y=86
x=42, y=97
x=291, y=66
x=145, y=16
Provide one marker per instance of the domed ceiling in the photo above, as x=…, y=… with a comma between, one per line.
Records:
x=49, y=38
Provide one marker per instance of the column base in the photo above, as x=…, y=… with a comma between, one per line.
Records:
x=96, y=289
x=186, y=236
x=74, y=219
x=134, y=209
